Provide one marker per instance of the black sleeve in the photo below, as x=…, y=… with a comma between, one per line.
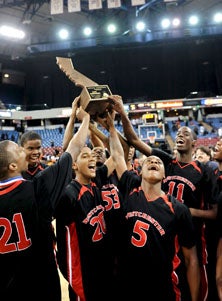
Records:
x=185, y=227
x=128, y=182
x=164, y=156
x=210, y=186
x=50, y=183
x=101, y=175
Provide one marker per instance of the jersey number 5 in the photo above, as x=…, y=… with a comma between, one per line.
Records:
x=138, y=229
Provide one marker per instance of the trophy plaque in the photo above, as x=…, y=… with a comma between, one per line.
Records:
x=93, y=97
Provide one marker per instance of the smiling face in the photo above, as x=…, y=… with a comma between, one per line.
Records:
x=85, y=166
x=184, y=140
x=153, y=169
x=217, y=154
x=33, y=150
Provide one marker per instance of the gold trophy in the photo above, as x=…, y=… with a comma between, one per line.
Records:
x=94, y=97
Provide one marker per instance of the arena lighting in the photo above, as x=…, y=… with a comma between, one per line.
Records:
x=165, y=23
x=12, y=32
x=140, y=26
x=63, y=34
x=176, y=22
x=111, y=28
x=87, y=31
x=193, y=20
x=218, y=18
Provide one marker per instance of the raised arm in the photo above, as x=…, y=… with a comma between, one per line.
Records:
x=69, y=131
x=79, y=139
x=123, y=140
x=129, y=132
x=116, y=149
x=97, y=137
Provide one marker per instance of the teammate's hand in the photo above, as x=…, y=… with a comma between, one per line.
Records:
x=81, y=114
x=117, y=103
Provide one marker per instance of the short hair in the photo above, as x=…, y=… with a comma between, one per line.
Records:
x=205, y=150
x=29, y=135
x=5, y=158
x=194, y=135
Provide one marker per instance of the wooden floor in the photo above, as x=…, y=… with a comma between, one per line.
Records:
x=64, y=286
x=64, y=283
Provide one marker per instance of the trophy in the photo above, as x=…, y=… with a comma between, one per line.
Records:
x=94, y=97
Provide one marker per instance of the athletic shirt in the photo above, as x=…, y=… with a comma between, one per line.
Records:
x=33, y=170
x=53, y=287
x=26, y=209
x=86, y=237
x=219, y=216
x=152, y=228
x=193, y=184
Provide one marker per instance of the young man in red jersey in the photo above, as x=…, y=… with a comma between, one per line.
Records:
x=190, y=181
x=26, y=210
x=155, y=221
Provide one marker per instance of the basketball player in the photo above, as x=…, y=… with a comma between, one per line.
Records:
x=217, y=156
x=88, y=227
x=32, y=144
x=190, y=181
x=154, y=223
x=26, y=207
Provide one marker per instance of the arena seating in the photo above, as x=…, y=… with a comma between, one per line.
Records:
x=52, y=137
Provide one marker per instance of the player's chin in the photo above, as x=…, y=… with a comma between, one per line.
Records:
x=92, y=173
x=34, y=160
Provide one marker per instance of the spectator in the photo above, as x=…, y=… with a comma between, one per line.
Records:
x=203, y=154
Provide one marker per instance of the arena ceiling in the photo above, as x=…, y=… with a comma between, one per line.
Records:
x=41, y=26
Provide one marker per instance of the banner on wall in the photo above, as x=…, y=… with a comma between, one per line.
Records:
x=137, y=2
x=74, y=6
x=113, y=3
x=95, y=4
x=56, y=7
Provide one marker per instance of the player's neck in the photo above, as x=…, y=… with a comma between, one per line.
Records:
x=184, y=157
x=83, y=180
x=152, y=191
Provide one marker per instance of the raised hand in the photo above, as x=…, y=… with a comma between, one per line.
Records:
x=80, y=113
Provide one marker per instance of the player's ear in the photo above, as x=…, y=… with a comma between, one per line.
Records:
x=75, y=166
x=12, y=166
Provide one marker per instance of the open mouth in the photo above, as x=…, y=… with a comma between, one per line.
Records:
x=153, y=167
x=92, y=167
x=179, y=142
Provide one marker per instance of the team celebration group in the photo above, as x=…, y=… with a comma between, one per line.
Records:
x=120, y=233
